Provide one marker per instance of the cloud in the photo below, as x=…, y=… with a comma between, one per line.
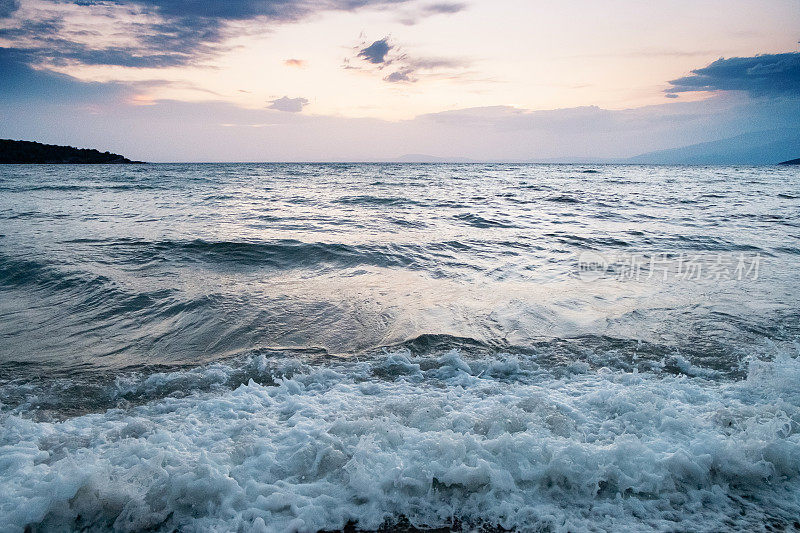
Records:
x=411, y=17
x=412, y=68
x=21, y=83
x=7, y=7
x=50, y=40
x=218, y=131
x=376, y=52
x=407, y=69
x=290, y=105
x=300, y=63
x=761, y=75
x=160, y=33
x=157, y=33
x=444, y=8
x=402, y=75
x=436, y=63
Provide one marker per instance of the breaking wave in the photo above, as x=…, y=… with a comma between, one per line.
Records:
x=439, y=441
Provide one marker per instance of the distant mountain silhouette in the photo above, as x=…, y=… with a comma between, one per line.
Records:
x=756, y=148
x=34, y=152
x=791, y=162
x=424, y=158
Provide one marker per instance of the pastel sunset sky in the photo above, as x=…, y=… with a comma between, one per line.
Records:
x=263, y=80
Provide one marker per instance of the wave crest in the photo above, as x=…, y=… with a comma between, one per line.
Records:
x=328, y=445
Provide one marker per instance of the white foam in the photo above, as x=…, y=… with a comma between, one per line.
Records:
x=496, y=440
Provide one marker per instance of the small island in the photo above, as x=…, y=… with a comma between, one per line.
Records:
x=791, y=162
x=33, y=152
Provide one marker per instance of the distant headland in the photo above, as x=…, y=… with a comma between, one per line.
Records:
x=34, y=152
x=791, y=162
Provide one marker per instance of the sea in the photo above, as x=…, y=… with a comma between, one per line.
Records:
x=380, y=347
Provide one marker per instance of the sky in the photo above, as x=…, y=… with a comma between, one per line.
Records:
x=284, y=80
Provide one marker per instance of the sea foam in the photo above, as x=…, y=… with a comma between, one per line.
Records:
x=499, y=441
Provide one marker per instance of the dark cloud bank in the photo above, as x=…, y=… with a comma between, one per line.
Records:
x=7, y=7
x=20, y=83
x=183, y=30
x=761, y=75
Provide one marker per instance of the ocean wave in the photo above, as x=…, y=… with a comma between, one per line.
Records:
x=482, y=222
x=368, y=200
x=67, y=187
x=36, y=388
x=20, y=272
x=588, y=242
x=496, y=441
x=564, y=199
x=281, y=254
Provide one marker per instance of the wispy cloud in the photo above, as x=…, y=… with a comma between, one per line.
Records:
x=383, y=53
x=445, y=8
x=299, y=63
x=411, y=69
x=413, y=16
